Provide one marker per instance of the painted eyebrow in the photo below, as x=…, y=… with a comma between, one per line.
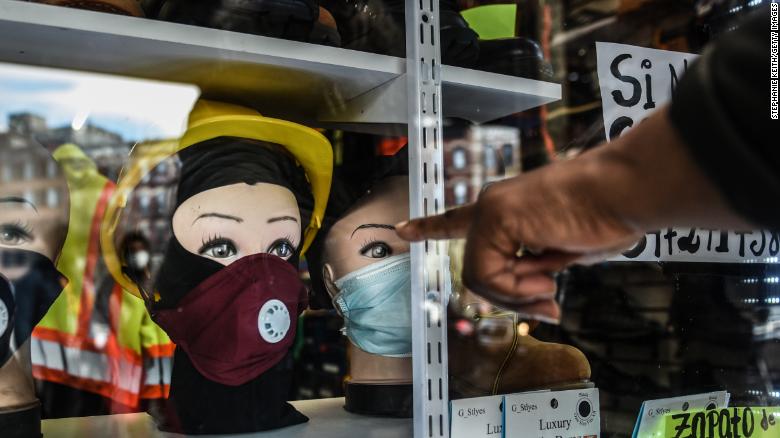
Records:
x=19, y=200
x=282, y=218
x=220, y=216
x=384, y=226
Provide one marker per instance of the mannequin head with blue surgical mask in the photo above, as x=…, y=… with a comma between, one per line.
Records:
x=365, y=269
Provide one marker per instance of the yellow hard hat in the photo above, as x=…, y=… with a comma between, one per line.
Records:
x=209, y=120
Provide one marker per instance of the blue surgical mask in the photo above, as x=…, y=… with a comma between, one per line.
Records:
x=375, y=302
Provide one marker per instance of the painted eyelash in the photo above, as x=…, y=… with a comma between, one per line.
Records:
x=204, y=241
x=368, y=242
x=25, y=228
x=212, y=241
x=288, y=239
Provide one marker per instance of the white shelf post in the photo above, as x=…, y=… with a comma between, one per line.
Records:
x=426, y=190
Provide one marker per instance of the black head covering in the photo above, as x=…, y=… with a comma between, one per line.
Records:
x=346, y=190
x=198, y=405
x=228, y=160
x=217, y=163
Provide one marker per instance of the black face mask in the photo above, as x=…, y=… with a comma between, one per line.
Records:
x=7, y=308
x=27, y=299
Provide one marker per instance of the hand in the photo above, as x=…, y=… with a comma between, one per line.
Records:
x=582, y=210
x=553, y=215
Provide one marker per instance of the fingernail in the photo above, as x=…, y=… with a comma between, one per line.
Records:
x=401, y=224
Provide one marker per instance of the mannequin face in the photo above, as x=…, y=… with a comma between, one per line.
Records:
x=30, y=222
x=366, y=234
x=230, y=222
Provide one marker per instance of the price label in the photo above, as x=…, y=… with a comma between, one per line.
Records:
x=477, y=417
x=554, y=414
x=650, y=423
x=724, y=423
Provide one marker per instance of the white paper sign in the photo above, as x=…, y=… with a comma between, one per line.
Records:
x=553, y=414
x=699, y=245
x=476, y=417
x=634, y=82
x=652, y=412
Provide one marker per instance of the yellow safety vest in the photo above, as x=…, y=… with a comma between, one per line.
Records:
x=96, y=336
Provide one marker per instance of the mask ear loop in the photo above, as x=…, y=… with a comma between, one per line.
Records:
x=145, y=295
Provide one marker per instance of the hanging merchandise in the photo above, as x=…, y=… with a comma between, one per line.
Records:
x=31, y=236
x=96, y=337
x=249, y=201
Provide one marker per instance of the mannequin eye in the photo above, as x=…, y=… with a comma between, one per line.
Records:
x=376, y=250
x=281, y=248
x=218, y=248
x=15, y=234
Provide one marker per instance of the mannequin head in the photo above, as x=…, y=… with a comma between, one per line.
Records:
x=365, y=236
x=228, y=287
x=33, y=225
x=33, y=211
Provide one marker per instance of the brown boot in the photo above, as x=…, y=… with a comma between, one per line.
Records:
x=496, y=355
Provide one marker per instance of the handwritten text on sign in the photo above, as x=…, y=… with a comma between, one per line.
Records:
x=634, y=82
x=692, y=244
x=725, y=423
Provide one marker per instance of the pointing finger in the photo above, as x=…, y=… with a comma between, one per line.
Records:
x=449, y=225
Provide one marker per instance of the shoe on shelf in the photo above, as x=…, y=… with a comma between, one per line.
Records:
x=378, y=26
x=325, y=30
x=121, y=7
x=519, y=56
x=492, y=355
x=298, y=20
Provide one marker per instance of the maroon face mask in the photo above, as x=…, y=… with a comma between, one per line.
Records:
x=240, y=321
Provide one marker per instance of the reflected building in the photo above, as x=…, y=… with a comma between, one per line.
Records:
x=150, y=205
x=475, y=156
x=35, y=176
x=106, y=148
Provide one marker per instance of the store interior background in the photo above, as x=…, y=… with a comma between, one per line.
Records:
x=649, y=330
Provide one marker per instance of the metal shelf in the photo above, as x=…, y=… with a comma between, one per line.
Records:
x=327, y=419
x=303, y=82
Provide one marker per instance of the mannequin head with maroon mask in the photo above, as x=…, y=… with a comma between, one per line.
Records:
x=228, y=289
x=34, y=209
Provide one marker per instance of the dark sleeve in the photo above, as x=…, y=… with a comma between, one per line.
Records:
x=721, y=111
